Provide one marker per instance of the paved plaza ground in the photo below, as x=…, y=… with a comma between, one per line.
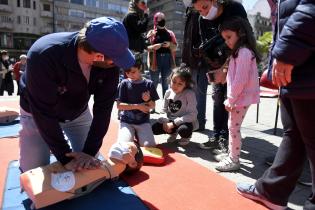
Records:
x=258, y=143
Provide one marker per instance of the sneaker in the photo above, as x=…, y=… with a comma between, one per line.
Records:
x=211, y=144
x=183, y=141
x=249, y=191
x=172, y=138
x=219, y=151
x=227, y=165
x=223, y=146
x=221, y=156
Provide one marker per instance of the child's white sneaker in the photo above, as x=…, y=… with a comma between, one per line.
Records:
x=221, y=156
x=227, y=165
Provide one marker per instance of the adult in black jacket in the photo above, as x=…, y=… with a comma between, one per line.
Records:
x=136, y=24
x=212, y=14
x=59, y=79
x=196, y=64
x=292, y=70
x=6, y=74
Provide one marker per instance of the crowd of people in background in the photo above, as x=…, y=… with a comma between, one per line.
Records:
x=10, y=71
x=218, y=49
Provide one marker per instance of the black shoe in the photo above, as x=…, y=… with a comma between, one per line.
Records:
x=154, y=112
x=269, y=160
x=306, y=178
x=200, y=129
x=213, y=143
x=223, y=146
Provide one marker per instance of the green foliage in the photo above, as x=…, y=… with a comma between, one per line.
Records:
x=264, y=42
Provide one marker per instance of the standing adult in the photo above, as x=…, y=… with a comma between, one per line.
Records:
x=296, y=77
x=196, y=64
x=6, y=74
x=18, y=69
x=56, y=87
x=213, y=13
x=162, y=48
x=136, y=24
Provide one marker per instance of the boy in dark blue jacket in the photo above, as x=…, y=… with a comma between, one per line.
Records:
x=60, y=77
x=293, y=70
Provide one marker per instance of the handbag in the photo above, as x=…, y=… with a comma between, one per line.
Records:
x=218, y=76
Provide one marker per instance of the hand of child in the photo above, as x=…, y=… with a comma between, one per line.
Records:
x=167, y=127
x=146, y=96
x=228, y=107
x=143, y=108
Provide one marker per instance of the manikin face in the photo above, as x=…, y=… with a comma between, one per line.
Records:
x=203, y=6
x=177, y=84
x=230, y=38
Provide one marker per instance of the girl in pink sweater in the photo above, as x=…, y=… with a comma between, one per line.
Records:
x=242, y=85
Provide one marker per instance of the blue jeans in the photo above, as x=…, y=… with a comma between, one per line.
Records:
x=164, y=63
x=220, y=115
x=34, y=151
x=200, y=88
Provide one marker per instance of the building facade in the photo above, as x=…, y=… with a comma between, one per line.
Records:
x=259, y=18
x=24, y=21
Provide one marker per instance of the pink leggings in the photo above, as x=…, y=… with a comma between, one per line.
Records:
x=236, y=118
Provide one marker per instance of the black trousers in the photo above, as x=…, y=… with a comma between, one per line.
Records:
x=220, y=115
x=298, y=143
x=184, y=130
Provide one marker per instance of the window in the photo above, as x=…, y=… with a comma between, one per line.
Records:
x=76, y=13
x=26, y=20
x=34, y=21
x=18, y=19
x=34, y=5
x=6, y=40
x=18, y=3
x=4, y=2
x=124, y=10
x=27, y=3
x=92, y=3
x=46, y=7
x=77, y=1
x=115, y=8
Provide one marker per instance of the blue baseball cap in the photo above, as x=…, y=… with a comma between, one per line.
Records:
x=109, y=37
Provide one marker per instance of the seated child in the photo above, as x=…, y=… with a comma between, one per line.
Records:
x=136, y=96
x=180, y=106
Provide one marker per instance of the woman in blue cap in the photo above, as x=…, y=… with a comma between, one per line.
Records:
x=59, y=80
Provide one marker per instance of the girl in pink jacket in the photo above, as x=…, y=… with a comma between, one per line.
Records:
x=242, y=85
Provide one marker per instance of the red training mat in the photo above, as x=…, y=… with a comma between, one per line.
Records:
x=182, y=184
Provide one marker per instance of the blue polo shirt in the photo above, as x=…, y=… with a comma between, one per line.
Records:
x=130, y=92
